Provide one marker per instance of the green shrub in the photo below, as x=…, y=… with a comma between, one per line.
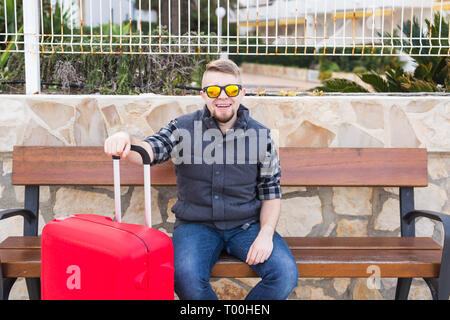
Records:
x=324, y=75
x=432, y=73
x=359, y=70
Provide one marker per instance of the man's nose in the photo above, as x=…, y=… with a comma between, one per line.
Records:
x=222, y=94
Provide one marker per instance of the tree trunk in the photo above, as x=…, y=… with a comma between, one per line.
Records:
x=178, y=12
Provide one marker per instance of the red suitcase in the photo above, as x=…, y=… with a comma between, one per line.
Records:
x=88, y=256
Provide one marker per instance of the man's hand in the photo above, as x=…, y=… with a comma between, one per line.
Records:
x=118, y=144
x=261, y=248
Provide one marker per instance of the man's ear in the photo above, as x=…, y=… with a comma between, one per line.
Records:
x=203, y=95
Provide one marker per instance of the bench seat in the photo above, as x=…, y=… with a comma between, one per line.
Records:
x=316, y=257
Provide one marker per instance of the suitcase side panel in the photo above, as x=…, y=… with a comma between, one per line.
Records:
x=160, y=261
x=160, y=264
x=87, y=260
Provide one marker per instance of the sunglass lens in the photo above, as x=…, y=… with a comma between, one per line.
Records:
x=213, y=91
x=232, y=90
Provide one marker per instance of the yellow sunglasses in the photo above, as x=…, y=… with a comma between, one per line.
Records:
x=232, y=90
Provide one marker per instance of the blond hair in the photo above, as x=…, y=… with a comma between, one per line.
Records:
x=224, y=66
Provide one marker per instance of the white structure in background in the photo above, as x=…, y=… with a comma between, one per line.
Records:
x=220, y=13
x=96, y=12
x=332, y=23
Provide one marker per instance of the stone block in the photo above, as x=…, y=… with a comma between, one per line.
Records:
x=299, y=215
x=438, y=166
x=402, y=135
x=72, y=201
x=362, y=292
x=341, y=284
x=351, y=228
x=170, y=215
x=54, y=114
x=226, y=289
x=431, y=198
x=309, y=135
x=163, y=114
x=389, y=217
x=350, y=136
x=112, y=117
x=352, y=201
x=89, y=128
x=369, y=114
x=36, y=135
x=135, y=212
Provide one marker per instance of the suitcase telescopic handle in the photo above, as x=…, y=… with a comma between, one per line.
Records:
x=147, y=189
x=144, y=154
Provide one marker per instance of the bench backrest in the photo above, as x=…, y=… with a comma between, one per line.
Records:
x=402, y=167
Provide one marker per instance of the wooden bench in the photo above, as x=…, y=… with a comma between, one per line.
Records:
x=404, y=257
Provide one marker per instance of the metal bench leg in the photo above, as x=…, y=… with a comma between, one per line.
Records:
x=402, y=290
x=433, y=285
x=6, y=286
x=439, y=288
x=34, y=288
x=444, y=285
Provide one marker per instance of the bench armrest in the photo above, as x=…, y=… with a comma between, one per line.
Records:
x=441, y=285
x=25, y=213
x=28, y=219
x=442, y=217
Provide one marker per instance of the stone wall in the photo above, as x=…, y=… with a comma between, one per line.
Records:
x=345, y=121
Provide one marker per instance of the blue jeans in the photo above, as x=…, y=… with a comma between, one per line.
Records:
x=197, y=248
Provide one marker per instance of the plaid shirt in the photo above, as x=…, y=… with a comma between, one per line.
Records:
x=268, y=181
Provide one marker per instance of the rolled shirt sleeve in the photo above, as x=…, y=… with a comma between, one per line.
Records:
x=269, y=176
x=163, y=142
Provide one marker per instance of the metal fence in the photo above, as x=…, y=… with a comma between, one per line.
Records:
x=247, y=27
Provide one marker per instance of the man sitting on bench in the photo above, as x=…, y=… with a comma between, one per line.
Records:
x=229, y=194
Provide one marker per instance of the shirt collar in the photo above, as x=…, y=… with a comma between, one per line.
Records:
x=241, y=121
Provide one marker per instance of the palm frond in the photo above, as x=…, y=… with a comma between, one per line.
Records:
x=376, y=81
x=340, y=85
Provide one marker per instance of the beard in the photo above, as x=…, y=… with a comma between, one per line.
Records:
x=223, y=119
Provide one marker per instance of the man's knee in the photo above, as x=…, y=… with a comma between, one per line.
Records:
x=190, y=272
x=284, y=278
x=288, y=274
x=291, y=277
x=191, y=283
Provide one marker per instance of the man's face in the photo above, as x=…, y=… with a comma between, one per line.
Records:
x=223, y=108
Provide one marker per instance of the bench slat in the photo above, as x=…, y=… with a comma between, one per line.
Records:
x=346, y=263
x=65, y=166
x=362, y=243
x=300, y=167
x=26, y=263
x=316, y=243
x=316, y=257
x=21, y=243
x=21, y=263
x=363, y=167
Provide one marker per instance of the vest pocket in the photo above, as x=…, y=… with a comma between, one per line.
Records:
x=179, y=208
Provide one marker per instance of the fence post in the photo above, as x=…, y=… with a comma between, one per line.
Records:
x=31, y=42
